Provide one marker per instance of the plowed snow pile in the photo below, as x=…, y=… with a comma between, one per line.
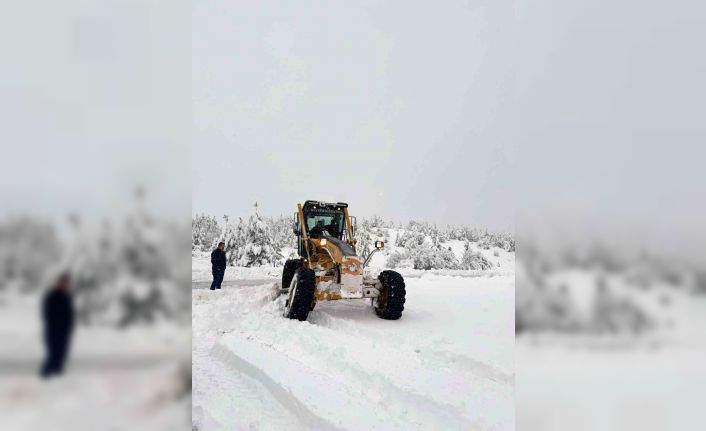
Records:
x=446, y=364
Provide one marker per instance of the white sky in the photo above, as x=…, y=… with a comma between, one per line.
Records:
x=399, y=108
x=94, y=101
x=404, y=109
x=612, y=132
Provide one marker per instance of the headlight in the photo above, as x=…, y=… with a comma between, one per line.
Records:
x=352, y=267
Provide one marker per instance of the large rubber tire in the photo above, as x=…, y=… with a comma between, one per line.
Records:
x=290, y=267
x=390, y=304
x=302, y=296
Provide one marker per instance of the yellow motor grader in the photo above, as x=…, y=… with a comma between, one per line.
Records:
x=328, y=267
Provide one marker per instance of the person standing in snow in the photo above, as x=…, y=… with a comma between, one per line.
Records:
x=58, y=317
x=218, y=265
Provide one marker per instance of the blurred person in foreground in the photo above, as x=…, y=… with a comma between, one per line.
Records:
x=58, y=316
x=218, y=265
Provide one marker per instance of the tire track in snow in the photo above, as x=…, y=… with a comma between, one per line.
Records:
x=426, y=352
x=218, y=392
x=357, y=384
x=475, y=366
x=341, y=331
x=283, y=396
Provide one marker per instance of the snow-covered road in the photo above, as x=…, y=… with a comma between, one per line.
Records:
x=447, y=364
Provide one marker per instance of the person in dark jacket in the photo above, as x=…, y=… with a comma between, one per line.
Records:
x=58, y=317
x=218, y=265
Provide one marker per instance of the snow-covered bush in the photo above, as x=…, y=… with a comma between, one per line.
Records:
x=545, y=309
x=399, y=260
x=430, y=257
x=474, y=260
x=504, y=241
x=596, y=289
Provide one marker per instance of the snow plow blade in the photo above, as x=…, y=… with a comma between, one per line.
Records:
x=276, y=291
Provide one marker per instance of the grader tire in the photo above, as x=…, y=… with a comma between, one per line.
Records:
x=390, y=303
x=290, y=267
x=302, y=294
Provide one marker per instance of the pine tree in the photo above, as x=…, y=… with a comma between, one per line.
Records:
x=204, y=232
x=145, y=263
x=399, y=239
x=233, y=237
x=281, y=228
x=259, y=248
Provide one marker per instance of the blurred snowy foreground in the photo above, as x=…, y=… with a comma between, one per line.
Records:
x=609, y=340
x=129, y=363
x=136, y=379
x=446, y=364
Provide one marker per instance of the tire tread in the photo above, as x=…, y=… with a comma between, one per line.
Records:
x=304, y=295
x=393, y=282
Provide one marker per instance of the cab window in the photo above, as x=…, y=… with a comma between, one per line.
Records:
x=320, y=224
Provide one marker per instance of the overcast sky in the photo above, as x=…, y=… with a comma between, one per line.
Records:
x=401, y=109
x=404, y=109
x=94, y=102
x=611, y=136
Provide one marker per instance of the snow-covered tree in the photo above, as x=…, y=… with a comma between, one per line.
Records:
x=376, y=221
x=411, y=239
x=365, y=243
x=420, y=244
x=259, y=248
x=394, y=260
x=27, y=247
x=281, y=228
x=234, y=238
x=124, y=272
x=399, y=238
x=444, y=235
x=204, y=232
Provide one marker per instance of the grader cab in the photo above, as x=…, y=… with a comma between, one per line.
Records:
x=329, y=268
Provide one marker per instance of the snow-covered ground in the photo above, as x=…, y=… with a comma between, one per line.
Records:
x=446, y=364
x=137, y=379
x=646, y=388
x=609, y=343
